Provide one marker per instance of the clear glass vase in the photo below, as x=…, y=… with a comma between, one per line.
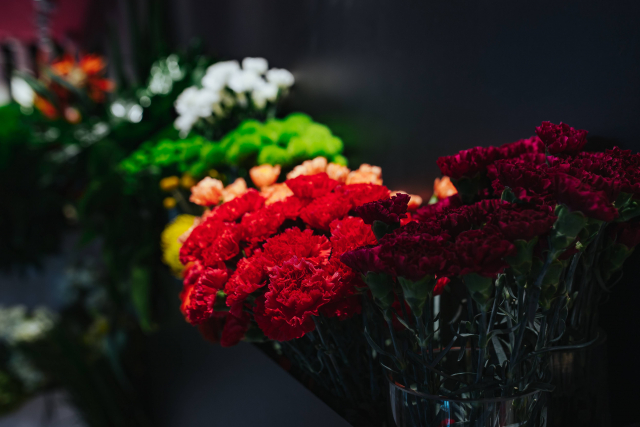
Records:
x=412, y=409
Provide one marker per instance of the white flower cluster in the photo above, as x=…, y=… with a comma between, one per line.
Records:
x=226, y=85
x=16, y=325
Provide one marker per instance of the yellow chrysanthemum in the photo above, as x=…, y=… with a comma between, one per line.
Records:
x=170, y=244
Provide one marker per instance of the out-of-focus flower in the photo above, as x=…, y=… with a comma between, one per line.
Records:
x=338, y=172
x=280, y=77
x=187, y=181
x=309, y=167
x=22, y=92
x=236, y=189
x=218, y=74
x=366, y=174
x=443, y=188
x=171, y=244
x=256, y=65
x=169, y=183
x=415, y=201
x=169, y=203
x=243, y=81
x=264, y=175
x=207, y=192
x=263, y=92
x=275, y=193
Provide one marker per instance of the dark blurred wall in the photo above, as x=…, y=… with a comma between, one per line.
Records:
x=406, y=81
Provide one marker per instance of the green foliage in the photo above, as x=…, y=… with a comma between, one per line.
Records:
x=381, y=287
x=480, y=288
x=284, y=142
x=416, y=293
x=566, y=229
x=521, y=262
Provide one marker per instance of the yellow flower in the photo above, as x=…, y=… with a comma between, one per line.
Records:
x=170, y=244
x=169, y=183
x=169, y=203
x=187, y=181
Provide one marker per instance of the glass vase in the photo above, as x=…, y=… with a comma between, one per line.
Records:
x=412, y=409
x=580, y=397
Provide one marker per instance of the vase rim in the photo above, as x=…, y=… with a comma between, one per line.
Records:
x=462, y=400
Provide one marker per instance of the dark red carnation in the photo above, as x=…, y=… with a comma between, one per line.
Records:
x=431, y=211
x=524, y=146
x=468, y=162
x=389, y=211
x=516, y=222
x=350, y=233
x=561, y=138
x=311, y=186
x=321, y=212
x=580, y=197
x=359, y=194
x=413, y=252
x=301, y=244
x=483, y=251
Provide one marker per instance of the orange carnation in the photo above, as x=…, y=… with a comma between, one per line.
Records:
x=231, y=191
x=264, y=175
x=366, y=174
x=443, y=188
x=207, y=192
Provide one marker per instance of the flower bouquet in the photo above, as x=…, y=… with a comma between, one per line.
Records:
x=265, y=267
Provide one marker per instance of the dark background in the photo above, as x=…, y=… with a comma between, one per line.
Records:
x=402, y=82
x=407, y=81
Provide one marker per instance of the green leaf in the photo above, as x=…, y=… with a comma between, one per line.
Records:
x=480, y=288
x=521, y=262
x=416, y=293
x=220, y=302
x=566, y=229
x=381, y=287
x=380, y=228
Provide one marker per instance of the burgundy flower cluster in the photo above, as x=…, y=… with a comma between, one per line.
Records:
x=548, y=170
x=453, y=241
x=277, y=265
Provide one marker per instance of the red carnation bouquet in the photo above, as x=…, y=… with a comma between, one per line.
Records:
x=265, y=266
x=520, y=255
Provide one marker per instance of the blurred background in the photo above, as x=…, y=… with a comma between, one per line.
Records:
x=400, y=82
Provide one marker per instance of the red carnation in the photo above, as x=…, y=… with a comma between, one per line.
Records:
x=359, y=194
x=259, y=225
x=235, y=208
x=290, y=207
x=345, y=301
x=515, y=222
x=431, y=211
x=301, y=244
x=320, y=212
x=234, y=329
x=468, y=162
x=579, y=197
x=296, y=291
x=483, y=251
x=562, y=138
x=248, y=277
x=198, y=299
x=389, y=211
x=441, y=283
x=350, y=233
x=524, y=146
x=311, y=186
x=225, y=246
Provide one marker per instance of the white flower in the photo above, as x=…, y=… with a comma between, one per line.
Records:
x=257, y=65
x=280, y=77
x=16, y=325
x=185, y=122
x=196, y=102
x=22, y=92
x=243, y=81
x=264, y=92
x=218, y=75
